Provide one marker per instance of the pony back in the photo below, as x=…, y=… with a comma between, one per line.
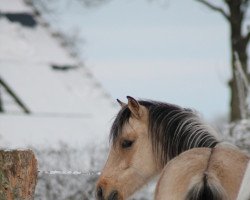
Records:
x=206, y=187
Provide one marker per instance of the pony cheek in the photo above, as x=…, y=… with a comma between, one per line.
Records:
x=130, y=181
x=147, y=165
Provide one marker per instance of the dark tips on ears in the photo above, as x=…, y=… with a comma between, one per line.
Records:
x=121, y=103
x=130, y=98
x=118, y=101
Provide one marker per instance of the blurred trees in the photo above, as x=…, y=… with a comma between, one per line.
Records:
x=235, y=13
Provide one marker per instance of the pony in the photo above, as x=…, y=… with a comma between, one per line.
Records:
x=149, y=138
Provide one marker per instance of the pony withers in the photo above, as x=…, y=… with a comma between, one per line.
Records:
x=149, y=138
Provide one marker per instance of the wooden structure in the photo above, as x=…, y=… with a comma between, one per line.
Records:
x=18, y=174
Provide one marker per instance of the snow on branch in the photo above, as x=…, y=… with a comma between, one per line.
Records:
x=247, y=37
x=215, y=8
x=238, y=132
x=242, y=86
x=239, y=68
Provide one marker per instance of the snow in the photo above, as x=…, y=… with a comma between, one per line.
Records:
x=35, y=45
x=46, y=90
x=68, y=106
x=238, y=133
x=23, y=131
x=71, y=174
x=14, y=6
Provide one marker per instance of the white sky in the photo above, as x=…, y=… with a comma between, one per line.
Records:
x=176, y=53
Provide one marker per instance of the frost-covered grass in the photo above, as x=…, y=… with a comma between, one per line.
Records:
x=238, y=133
x=65, y=158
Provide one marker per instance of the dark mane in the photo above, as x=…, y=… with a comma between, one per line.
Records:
x=172, y=129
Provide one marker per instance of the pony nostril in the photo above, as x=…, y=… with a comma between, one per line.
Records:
x=99, y=193
x=113, y=196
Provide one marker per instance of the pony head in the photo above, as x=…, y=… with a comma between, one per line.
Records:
x=131, y=161
x=144, y=136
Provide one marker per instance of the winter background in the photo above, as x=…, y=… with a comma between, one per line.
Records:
x=82, y=55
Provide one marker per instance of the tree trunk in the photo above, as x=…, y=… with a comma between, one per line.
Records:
x=237, y=11
x=235, y=103
x=238, y=45
x=18, y=175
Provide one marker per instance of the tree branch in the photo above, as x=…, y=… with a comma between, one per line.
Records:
x=215, y=8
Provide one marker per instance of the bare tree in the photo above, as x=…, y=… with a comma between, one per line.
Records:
x=234, y=11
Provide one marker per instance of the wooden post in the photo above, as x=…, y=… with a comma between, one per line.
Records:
x=18, y=174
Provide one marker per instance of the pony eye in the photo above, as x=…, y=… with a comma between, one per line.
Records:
x=126, y=144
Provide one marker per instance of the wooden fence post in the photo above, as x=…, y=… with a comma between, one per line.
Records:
x=18, y=174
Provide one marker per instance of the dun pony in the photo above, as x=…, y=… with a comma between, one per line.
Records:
x=150, y=137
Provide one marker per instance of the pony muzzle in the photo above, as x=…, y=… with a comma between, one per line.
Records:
x=102, y=194
x=99, y=193
x=113, y=195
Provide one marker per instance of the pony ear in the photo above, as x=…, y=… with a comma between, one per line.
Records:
x=134, y=107
x=121, y=103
